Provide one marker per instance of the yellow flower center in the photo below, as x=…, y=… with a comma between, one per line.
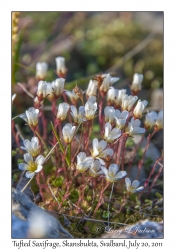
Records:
x=32, y=166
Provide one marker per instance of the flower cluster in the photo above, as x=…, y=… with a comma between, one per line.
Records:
x=78, y=150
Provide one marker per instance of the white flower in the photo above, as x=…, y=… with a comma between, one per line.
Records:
x=41, y=70
x=150, y=119
x=111, y=134
x=90, y=108
x=120, y=118
x=32, y=166
x=134, y=127
x=58, y=86
x=100, y=150
x=107, y=82
x=138, y=110
x=137, y=82
x=62, y=111
x=112, y=173
x=112, y=95
x=159, y=121
x=134, y=187
x=121, y=94
x=55, y=89
x=109, y=113
x=42, y=89
x=128, y=102
x=92, y=88
x=95, y=169
x=78, y=116
x=83, y=162
x=60, y=66
x=92, y=99
x=32, y=147
x=73, y=97
x=68, y=132
x=31, y=116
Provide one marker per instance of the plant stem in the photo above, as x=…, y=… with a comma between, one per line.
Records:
x=60, y=144
x=119, y=151
x=101, y=195
x=146, y=148
x=109, y=201
x=69, y=153
x=156, y=177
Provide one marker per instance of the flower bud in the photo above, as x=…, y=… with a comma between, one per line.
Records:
x=68, y=132
x=62, y=111
x=139, y=108
x=41, y=70
x=60, y=66
x=136, y=83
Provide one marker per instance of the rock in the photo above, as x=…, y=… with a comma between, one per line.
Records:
x=143, y=230
x=31, y=221
x=133, y=174
x=152, y=151
x=23, y=181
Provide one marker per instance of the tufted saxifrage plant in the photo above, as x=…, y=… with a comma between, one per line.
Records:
x=80, y=169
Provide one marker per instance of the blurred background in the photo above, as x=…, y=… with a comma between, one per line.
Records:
x=91, y=42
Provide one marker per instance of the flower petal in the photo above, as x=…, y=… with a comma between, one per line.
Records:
x=105, y=171
x=23, y=148
x=135, y=123
x=40, y=160
x=117, y=113
x=81, y=157
x=139, y=189
x=107, y=151
x=113, y=169
x=27, y=144
x=115, y=133
x=39, y=168
x=101, y=161
x=102, y=145
x=138, y=130
x=74, y=111
x=95, y=144
x=23, y=166
x=124, y=114
x=128, y=182
x=35, y=140
x=29, y=174
x=135, y=184
x=89, y=160
x=28, y=158
x=120, y=175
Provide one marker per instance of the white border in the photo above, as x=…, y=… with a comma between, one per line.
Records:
x=5, y=94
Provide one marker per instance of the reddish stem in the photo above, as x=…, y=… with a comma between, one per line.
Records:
x=119, y=151
x=143, y=156
x=152, y=171
x=156, y=177
x=100, y=198
x=44, y=122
